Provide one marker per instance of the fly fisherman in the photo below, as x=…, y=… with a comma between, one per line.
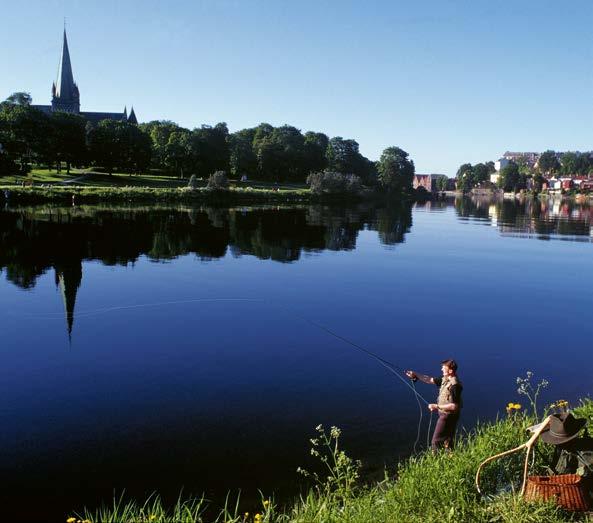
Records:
x=448, y=403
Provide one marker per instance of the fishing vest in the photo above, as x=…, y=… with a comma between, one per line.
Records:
x=445, y=393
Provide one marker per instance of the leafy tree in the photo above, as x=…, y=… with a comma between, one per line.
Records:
x=396, y=171
x=314, y=149
x=480, y=173
x=119, y=144
x=465, y=177
x=548, y=162
x=20, y=98
x=343, y=155
x=178, y=152
x=242, y=157
x=570, y=163
x=280, y=153
x=510, y=178
x=209, y=148
x=160, y=132
x=442, y=183
x=24, y=133
x=68, y=139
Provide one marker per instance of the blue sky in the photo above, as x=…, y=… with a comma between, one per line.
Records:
x=448, y=81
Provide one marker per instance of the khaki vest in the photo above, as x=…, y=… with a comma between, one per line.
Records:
x=445, y=395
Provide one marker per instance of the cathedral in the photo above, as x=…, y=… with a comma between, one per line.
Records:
x=65, y=96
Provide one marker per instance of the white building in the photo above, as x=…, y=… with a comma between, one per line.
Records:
x=501, y=163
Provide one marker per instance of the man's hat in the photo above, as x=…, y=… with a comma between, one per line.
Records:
x=563, y=428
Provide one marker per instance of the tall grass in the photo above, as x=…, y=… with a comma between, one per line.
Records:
x=430, y=487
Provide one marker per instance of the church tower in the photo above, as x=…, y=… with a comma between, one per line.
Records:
x=65, y=95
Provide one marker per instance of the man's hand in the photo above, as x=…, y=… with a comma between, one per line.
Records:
x=411, y=374
x=432, y=407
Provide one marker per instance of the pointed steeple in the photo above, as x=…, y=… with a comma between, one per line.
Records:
x=125, y=112
x=132, y=118
x=66, y=97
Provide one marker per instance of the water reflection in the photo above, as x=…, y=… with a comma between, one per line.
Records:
x=563, y=219
x=37, y=239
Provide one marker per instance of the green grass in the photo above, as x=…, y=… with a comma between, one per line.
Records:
x=91, y=178
x=426, y=488
x=91, y=194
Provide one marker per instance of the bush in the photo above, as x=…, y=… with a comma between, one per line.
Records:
x=193, y=182
x=218, y=181
x=334, y=183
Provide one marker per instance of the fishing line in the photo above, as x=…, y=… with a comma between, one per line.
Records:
x=396, y=370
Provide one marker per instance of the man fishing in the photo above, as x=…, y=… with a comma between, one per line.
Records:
x=448, y=403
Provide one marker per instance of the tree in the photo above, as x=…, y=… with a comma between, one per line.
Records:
x=548, y=162
x=442, y=183
x=68, y=140
x=510, y=178
x=177, y=152
x=396, y=171
x=24, y=133
x=242, y=157
x=209, y=148
x=20, y=98
x=119, y=144
x=343, y=155
x=570, y=163
x=280, y=154
x=480, y=173
x=314, y=149
x=160, y=131
x=465, y=177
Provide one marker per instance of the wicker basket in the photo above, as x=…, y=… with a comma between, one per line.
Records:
x=567, y=489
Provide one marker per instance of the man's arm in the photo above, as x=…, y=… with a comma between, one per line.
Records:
x=422, y=377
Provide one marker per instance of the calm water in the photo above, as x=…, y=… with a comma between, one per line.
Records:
x=115, y=377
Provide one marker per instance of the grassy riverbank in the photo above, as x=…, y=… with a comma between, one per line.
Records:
x=91, y=194
x=426, y=488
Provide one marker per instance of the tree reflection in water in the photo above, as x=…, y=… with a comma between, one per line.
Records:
x=35, y=240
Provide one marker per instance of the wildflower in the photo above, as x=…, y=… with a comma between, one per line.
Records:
x=152, y=517
x=513, y=406
x=71, y=520
x=266, y=503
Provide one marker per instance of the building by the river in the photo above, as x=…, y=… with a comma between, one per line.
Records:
x=65, y=95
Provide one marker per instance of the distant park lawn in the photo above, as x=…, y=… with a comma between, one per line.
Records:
x=91, y=178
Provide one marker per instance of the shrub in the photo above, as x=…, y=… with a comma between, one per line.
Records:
x=218, y=181
x=193, y=182
x=334, y=183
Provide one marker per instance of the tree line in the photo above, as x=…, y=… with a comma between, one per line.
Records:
x=279, y=154
x=517, y=174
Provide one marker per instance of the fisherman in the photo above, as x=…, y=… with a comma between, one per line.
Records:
x=448, y=403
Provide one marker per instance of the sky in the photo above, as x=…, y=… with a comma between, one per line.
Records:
x=448, y=81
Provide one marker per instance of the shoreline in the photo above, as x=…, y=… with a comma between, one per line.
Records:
x=419, y=491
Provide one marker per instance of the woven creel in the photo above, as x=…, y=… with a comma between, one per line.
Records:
x=568, y=490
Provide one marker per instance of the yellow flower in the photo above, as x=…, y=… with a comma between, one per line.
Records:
x=152, y=517
x=246, y=514
x=266, y=503
x=71, y=520
x=517, y=406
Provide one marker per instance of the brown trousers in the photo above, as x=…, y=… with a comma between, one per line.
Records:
x=444, y=432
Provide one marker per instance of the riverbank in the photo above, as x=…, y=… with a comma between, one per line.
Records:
x=426, y=488
x=88, y=195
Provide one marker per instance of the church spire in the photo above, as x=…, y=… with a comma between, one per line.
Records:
x=132, y=118
x=66, y=96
